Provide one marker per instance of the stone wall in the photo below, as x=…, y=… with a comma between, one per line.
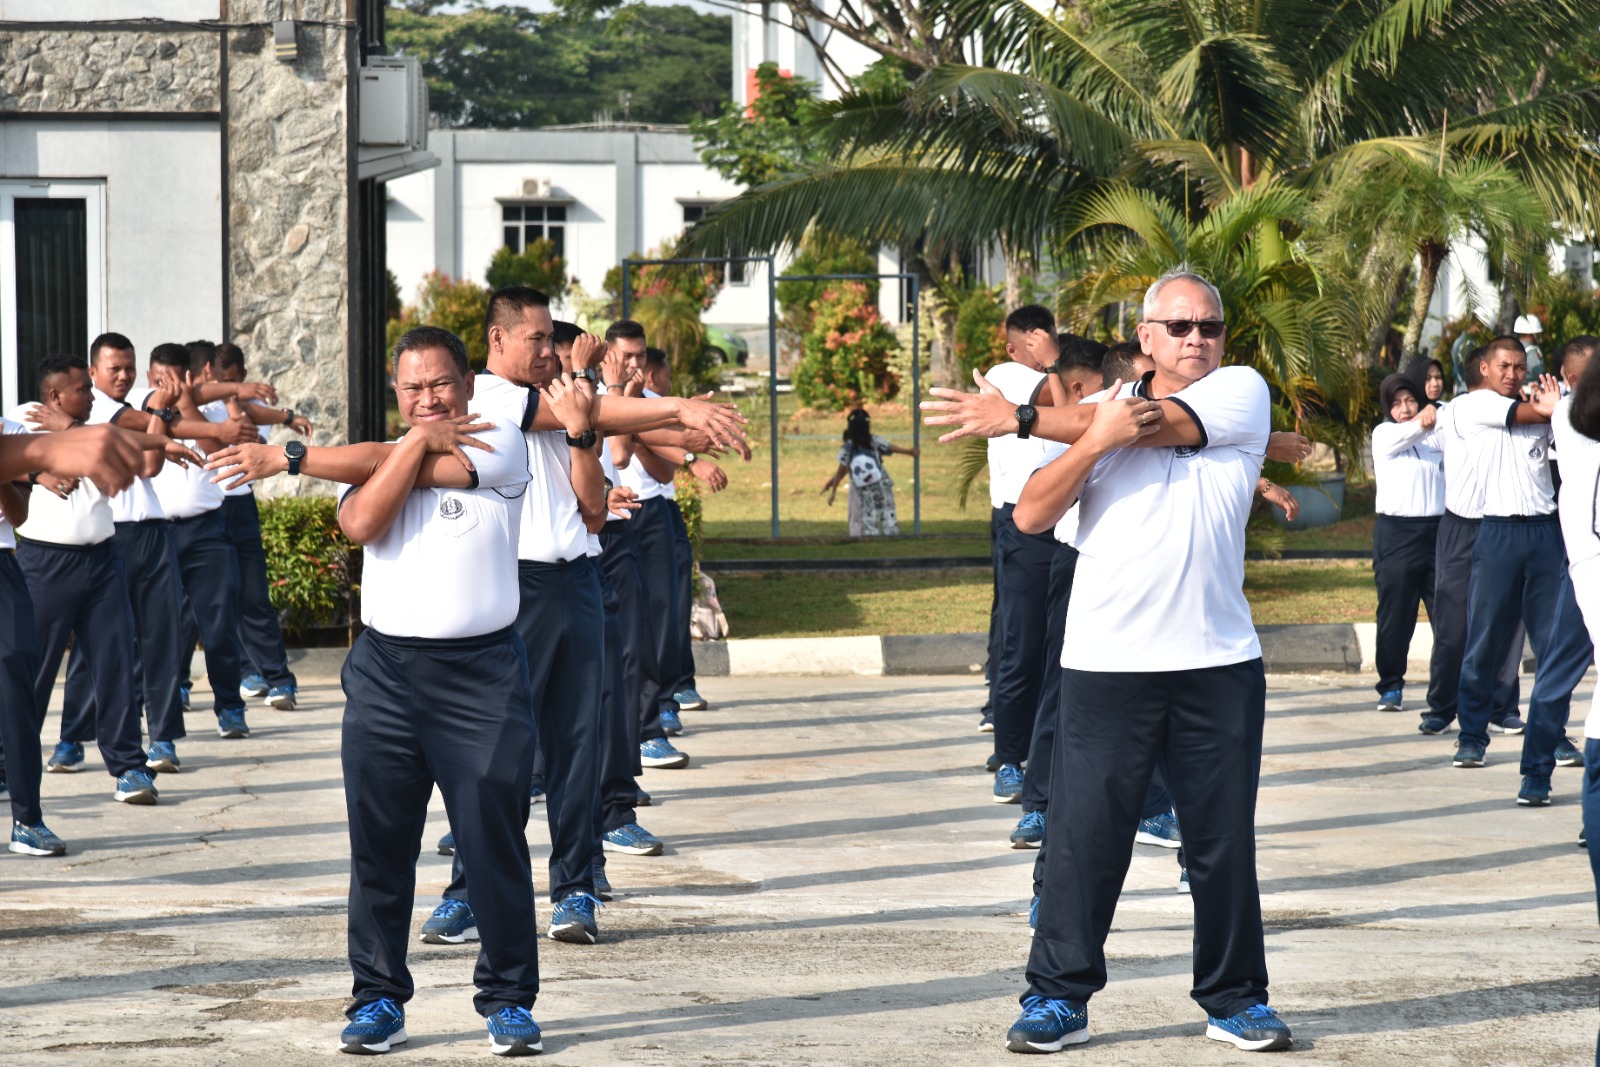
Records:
x=90, y=70
x=290, y=260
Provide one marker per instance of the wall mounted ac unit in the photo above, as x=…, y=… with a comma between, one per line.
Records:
x=393, y=103
x=536, y=188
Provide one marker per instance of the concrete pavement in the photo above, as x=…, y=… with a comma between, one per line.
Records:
x=837, y=889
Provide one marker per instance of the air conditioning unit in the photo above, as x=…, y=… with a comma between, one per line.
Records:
x=393, y=103
x=536, y=188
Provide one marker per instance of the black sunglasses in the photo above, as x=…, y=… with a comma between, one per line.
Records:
x=1181, y=327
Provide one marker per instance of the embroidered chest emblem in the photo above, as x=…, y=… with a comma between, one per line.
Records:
x=451, y=508
x=1186, y=451
x=1537, y=451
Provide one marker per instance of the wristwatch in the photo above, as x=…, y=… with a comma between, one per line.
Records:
x=589, y=373
x=288, y=416
x=607, y=483
x=1027, y=415
x=688, y=459
x=294, y=452
x=583, y=440
x=166, y=415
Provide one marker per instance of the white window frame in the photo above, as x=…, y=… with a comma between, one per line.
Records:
x=93, y=194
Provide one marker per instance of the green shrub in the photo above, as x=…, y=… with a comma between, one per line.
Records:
x=980, y=332
x=455, y=304
x=847, y=351
x=308, y=560
x=536, y=266
x=693, y=508
x=819, y=255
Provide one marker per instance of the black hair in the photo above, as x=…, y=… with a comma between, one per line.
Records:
x=655, y=357
x=50, y=366
x=1030, y=317
x=508, y=304
x=1118, y=363
x=858, y=430
x=421, y=337
x=1585, y=409
x=200, y=354
x=170, y=355
x=1505, y=340
x=624, y=330
x=228, y=356
x=1581, y=346
x=1469, y=366
x=108, y=340
x=1080, y=353
x=1417, y=371
x=565, y=333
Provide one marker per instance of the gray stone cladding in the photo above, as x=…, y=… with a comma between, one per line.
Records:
x=107, y=70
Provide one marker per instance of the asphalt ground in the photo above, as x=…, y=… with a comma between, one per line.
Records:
x=837, y=889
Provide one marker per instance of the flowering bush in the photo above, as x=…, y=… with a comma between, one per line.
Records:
x=846, y=354
x=309, y=560
x=980, y=332
x=455, y=304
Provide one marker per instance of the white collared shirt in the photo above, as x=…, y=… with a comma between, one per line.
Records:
x=83, y=518
x=552, y=525
x=447, y=567
x=1514, y=461
x=1160, y=578
x=138, y=502
x=184, y=492
x=1011, y=458
x=1580, y=486
x=1066, y=531
x=1408, y=465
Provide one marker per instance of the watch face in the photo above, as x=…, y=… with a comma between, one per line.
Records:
x=295, y=450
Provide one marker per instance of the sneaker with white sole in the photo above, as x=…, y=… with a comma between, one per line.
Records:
x=602, y=884
x=231, y=724
x=1047, y=1025
x=573, y=920
x=1161, y=830
x=451, y=923
x=1511, y=724
x=66, y=759
x=658, y=752
x=36, y=840
x=374, y=1027
x=135, y=787
x=1030, y=830
x=283, y=697
x=1567, y=754
x=632, y=839
x=1007, y=784
x=1256, y=1029
x=162, y=757
x=1390, y=701
x=253, y=685
x=512, y=1032
x=689, y=700
x=671, y=725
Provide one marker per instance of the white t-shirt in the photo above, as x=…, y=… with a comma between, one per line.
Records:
x=552, y=525
x=609, y=466
x=1160, y=579
x=1066, y=530
x=1011, y=458
x=641, y=481
x=217, y=411
x=1408, y=463
x=138, y=502
x=83, y=518
x=1580, y=486
x=184, y=492
x=1463, y=465
x=8, y=535
x=448, y=566
x=1514, y=460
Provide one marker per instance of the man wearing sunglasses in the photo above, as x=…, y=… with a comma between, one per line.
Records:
x=1160, y=656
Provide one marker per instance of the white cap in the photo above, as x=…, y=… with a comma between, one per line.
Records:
x=1527, y=324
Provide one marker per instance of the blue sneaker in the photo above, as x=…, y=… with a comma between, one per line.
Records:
x=231, y=724
x=536, y=792
x=66, y=759
x=283, y=697
x=689, y=700
x=1535, y=792
x=1433, y=726
x=374, y=1027
x=1159, y=830
x=1511, y=724
x=162, y=757
x=5, y=790
x=1389, y=701
x=447, y=843
x=135, y=787
x=451, y=923
x=1256, y=1029
x=671, y=725
x=986, y=724
x=1048, y=1025
x=658, y=752
x=1468, y=754
x=1183, y=881
x=36, y=840
x=253, y=685
x=633, y=839
x=602, y=884
x=512, y=1032
x=573, y=920
x=1033, y=913
x=1030, y=830
x=1567, y=754
x=1008, y=784
x=641, y=799
x=183, y=695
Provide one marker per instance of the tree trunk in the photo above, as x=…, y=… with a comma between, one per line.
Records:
x=1019, y=266
x=1430, y=256
x=1509, y=306
x=1379, y=334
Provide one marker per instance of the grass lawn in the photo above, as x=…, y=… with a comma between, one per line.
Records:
x=957, y=601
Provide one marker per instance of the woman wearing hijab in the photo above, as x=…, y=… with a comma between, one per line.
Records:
x=1408, y=465
x=1428, y=375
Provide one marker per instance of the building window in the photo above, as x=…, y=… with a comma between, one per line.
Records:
x=737, y=272
x=525, y=223
x=51, y=278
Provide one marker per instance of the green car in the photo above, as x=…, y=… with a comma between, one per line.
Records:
x=729, y=347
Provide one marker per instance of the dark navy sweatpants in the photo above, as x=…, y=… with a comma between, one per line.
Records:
x=1403, y=553
x=209, y=572
x=1452, y=588
x=619, y=558
x=21, y=716
x=1207, y=723
x=654, y=533
x=619, y=730
x=1518, y=566
x=1036, y=778
x=260, y=634
x=155, y=594
x=81, y=593
x=561, y=621
x=993, y=661
x=1561, y=668
x=451, y=713
x=683, y=554
x=1024, y=617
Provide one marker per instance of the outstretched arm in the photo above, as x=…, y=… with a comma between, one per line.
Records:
x=1054, y=488
x=445, y=464
x=988, y=414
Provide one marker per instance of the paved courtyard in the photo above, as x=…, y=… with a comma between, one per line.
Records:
x=837, y=889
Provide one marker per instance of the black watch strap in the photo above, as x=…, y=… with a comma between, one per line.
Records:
x=583, y=440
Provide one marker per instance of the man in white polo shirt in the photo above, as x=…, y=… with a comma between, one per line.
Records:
x=1158, y=629
x=20, y=718
x=436, y=687
x=1516, y=556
